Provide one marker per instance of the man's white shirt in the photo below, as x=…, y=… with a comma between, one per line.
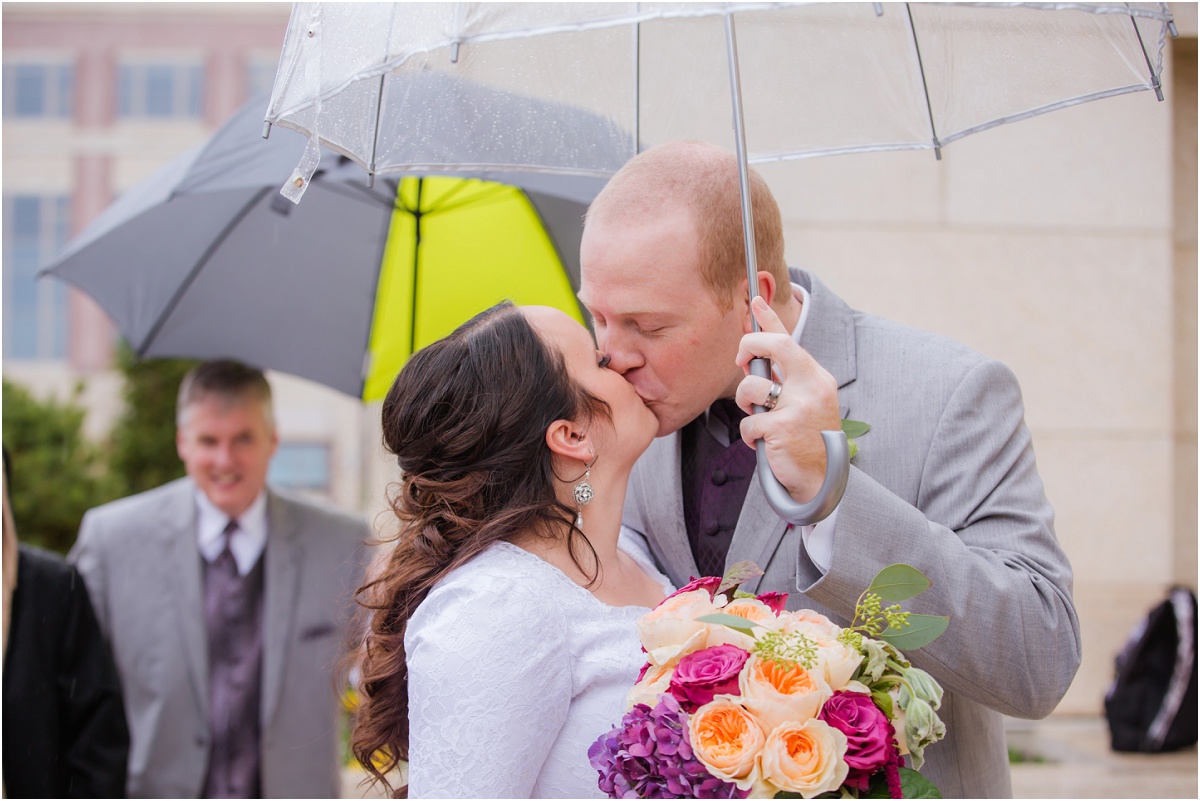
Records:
x=247, y=543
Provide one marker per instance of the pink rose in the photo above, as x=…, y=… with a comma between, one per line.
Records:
x=703, y=674
x=777, y=601
x=710, y=583
x=866, y=730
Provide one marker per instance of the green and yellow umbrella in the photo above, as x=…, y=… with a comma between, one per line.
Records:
x=456, y=246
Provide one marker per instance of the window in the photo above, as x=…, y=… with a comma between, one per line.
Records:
x=35, y=311
x=300, y=466
x=160, y=90
x=38, y=90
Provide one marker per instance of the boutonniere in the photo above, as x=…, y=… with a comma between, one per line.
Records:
x=854, y=429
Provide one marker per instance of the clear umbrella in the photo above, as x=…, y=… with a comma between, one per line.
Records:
x=860, y=77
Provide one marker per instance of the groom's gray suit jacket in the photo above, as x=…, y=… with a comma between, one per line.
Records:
x=945, y=481
x=140, y=562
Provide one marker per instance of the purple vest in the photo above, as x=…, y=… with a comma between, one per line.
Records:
x=715, y=481
x=233, y=611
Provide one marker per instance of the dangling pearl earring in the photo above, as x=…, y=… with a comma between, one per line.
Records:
x=583, y=495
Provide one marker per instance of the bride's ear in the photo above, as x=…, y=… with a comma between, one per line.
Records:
x=566, y=438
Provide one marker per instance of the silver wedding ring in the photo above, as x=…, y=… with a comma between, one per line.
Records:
x=773, y=396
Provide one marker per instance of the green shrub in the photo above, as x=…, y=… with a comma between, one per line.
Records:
x=58, y=474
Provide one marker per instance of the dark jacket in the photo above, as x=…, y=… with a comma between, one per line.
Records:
x=64, y=724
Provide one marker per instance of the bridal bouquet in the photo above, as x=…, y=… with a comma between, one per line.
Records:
x=741, y=698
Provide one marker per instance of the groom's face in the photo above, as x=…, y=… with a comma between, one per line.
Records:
x=655, y=317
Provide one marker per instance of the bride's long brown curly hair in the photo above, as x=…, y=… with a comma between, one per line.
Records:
x=466, y=419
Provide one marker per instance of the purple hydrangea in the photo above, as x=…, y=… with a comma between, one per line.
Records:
x=650, y=756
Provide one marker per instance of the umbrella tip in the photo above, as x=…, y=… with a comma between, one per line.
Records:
x=266, y=129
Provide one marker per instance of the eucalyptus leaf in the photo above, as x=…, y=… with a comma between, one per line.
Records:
x=899, y=583
x=853, y=448
x=739, y=573
x=855, y=428
x=732, y=621
x=914, y=785
x=921, y=630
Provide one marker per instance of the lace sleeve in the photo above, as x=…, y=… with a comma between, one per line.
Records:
x=489, y=684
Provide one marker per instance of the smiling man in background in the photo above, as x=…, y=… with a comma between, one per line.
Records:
x=225, y=606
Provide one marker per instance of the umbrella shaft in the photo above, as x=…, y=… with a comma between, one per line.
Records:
x=739, y=136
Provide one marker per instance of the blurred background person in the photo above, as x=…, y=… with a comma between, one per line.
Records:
x=224, y=604
x=64, y=724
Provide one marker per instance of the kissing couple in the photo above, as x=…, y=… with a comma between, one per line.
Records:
x=555, y=488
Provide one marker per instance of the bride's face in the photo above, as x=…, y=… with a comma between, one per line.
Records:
x=633, y=424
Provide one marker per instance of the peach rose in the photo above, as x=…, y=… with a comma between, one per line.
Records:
x=727, y=739
x=806, y=758
x=656, y=681
x=752, y=610
x=777, y=694
x=809, y=618
x=648, y=688
x=836, y=660
x=670, y=630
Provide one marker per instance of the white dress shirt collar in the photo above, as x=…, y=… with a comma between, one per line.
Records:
x=247, y=543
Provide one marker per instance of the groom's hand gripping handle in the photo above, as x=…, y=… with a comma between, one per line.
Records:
x=805, y=423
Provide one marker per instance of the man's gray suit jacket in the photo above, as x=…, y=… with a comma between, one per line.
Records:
x=139, y=559
x=945, y=481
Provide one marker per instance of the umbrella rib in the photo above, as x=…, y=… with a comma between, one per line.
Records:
x=1155, y=83
x=187, y=282
x=379, y=107
x=912, y=30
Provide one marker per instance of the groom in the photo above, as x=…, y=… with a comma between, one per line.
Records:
x=945, y=480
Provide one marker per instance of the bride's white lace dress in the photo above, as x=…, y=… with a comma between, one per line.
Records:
x=513, y=671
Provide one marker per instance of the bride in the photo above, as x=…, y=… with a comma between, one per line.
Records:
x=501, y=639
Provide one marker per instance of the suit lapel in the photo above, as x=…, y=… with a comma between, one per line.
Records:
x=757, y=534
x=829, y=334
x=829, y=337
x=660, y=483
x=178, y=529
x=284, y=555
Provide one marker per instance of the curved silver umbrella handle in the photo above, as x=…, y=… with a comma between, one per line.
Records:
x=837, y=473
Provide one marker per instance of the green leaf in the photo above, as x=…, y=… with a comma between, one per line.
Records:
x=921, y=630
x=739, y=573
x=855, y=428
x=732, y=621
x=883, y=700
x=853, y=448
x=878, y=787
x=786, y=794
x=914, y=785
x=899, y=583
